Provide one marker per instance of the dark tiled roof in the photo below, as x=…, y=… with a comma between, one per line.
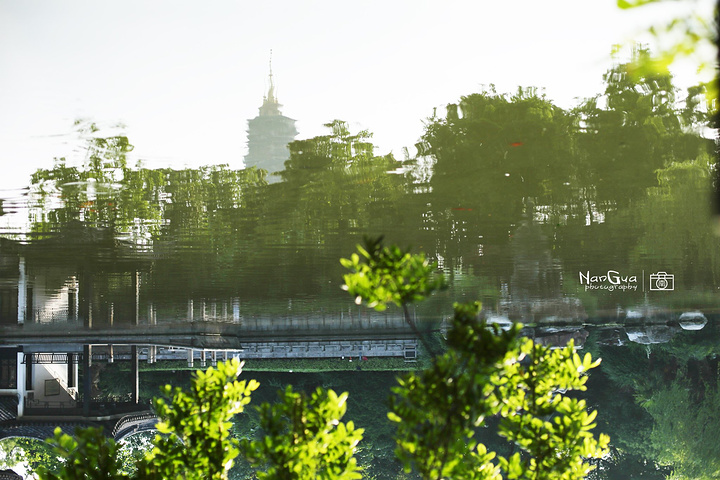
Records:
x=39, y=430
x=9, y=475
x=8, y=407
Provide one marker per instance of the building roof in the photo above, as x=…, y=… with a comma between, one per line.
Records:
x=8, y=407
x=9, y=475
x=40, y=430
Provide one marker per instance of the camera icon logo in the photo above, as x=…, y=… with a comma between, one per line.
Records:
x=662, y=281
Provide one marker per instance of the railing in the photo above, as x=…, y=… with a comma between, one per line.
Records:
x=41, y=403
x=50, y=358
x=133, y=423
x=231, y=312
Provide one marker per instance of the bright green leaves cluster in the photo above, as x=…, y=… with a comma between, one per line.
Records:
x=486, y=372
x=197, y=425
x=489, y=372
x=88, y=456
x=30, y=452
x=554, y=430
x=381, y=275
x=438, y=410
x=195, y=444
x=305, y=439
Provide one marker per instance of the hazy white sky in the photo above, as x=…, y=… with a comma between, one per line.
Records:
x=184, y=76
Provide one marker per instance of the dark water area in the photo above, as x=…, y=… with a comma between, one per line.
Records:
x=591, y=224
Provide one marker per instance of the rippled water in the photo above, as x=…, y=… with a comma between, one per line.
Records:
x=592, y=225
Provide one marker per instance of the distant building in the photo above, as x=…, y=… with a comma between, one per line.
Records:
x=269, y=134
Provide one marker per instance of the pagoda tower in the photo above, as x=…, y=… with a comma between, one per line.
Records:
x=269, y=134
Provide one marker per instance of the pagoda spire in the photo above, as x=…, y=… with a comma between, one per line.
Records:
x=270, y=105
x=269, y=133
x=271, y=91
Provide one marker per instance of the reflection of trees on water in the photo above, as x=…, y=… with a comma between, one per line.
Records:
x=593, y=174
x=661, y=401
x=535, y=293
x=535, y=273
x=214, y=232
x=618, y=182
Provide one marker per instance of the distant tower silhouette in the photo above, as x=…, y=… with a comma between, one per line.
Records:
x=269, y=134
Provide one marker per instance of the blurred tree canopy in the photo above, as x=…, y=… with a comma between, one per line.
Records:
x=490, y=163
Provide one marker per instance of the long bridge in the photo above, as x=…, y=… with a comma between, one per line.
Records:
x=318, y=333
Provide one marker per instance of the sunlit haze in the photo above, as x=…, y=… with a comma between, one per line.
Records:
x=184, y=77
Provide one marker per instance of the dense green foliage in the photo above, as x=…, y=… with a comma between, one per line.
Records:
x=196, y=440
x=87, y=455
x=25, y=451
x=196, y=426
x=482, y=375
x=389, y=275
x=665, y=416
x=619, y=181
x=485, y=167
x=685, y=430
x=304, y=438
